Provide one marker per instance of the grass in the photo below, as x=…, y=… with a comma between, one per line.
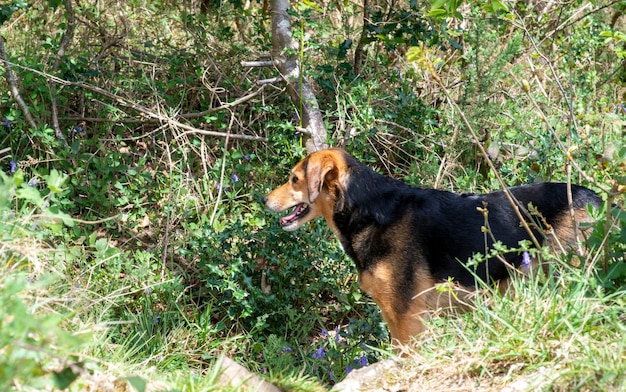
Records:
x=140, y=252
x=559, y=333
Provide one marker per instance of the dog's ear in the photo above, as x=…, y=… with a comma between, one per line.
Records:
x=320, y=168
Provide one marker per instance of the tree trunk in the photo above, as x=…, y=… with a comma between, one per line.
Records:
x=285, y=52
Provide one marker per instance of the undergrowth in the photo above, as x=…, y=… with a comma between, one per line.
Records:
x=560, y=333
x=133, y=246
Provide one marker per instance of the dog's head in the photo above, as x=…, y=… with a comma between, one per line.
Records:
x=312, y=189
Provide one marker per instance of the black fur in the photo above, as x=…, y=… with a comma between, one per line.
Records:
x=445, y=226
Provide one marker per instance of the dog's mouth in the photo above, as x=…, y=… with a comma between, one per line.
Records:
x=299, y=211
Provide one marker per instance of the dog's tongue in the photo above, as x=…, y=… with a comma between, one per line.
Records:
x=291, y=217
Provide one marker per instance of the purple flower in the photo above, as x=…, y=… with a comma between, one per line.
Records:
x=13, y=166
x=363, y=360
x=32, y=182
x=6, y=122
x=331, y=375
x=319, y=353
x=324, y=332
x=148, y=291
x=235, y=178
x=77, y=129
x=526, y=260
x=287, y=349
x=349, y=369
x=247, y=157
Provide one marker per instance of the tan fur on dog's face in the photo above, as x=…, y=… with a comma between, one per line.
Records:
x=312, y=190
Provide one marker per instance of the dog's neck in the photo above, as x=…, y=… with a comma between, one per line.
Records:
x=364, y=202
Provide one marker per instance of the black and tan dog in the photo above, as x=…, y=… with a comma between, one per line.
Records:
x=406, y=240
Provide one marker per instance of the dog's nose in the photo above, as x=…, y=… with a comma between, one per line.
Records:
x=264, y=200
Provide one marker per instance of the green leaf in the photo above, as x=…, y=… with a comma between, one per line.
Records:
x=497, y=5
x=237, y=154
x=55, y=181
x=56, y=213
x=30, y=194
x=138, y=383
x=438, y=4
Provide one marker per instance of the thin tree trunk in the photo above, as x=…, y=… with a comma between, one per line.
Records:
x=285, y=53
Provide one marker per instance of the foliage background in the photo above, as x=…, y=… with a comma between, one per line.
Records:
x=133, y=241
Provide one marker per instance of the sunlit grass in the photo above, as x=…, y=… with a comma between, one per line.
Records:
x=560, y=333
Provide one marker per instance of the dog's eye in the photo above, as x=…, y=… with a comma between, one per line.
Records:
x=294, y=179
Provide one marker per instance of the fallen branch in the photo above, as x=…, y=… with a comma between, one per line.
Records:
x=192, y=130
x=278, y=79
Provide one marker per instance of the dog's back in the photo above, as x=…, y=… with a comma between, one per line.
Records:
x=459, y=226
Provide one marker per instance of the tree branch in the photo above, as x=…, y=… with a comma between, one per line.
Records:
x=13, y=86
x=224, y=106
x=285, y=54
x=141, y=109
x=267, y=63
x=65, y=41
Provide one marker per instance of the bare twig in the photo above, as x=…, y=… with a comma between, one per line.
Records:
x=395, y=125
x=65, y=41
x=13, y=86
x=278, y=79
x=141, y=109
x=593, y=11
x=512, y=200
x=221, y=183
x=562, y=147
x=224, y=106
x=257, y=63
x=193, y=130
x=185, y=116
x=3, y=151
x=557, y=80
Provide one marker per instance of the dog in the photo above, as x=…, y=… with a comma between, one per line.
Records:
x=405, y=241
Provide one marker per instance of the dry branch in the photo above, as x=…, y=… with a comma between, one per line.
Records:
x=13, y=86
x=257, y=63
x=224, y=106
x=65, y=41
x=141, y=109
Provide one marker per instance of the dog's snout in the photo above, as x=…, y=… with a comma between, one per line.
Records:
x=264, y=200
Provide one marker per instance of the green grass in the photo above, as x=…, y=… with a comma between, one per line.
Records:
x=142, y=252
x=115, y=323
x=561, y=334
